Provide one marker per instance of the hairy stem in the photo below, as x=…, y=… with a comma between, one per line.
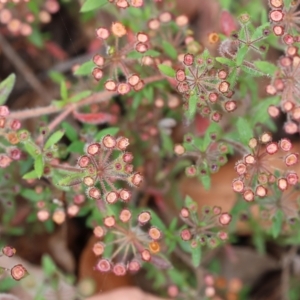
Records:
x=51, y=109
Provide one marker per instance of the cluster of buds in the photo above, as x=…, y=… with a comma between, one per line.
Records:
x=266, y=165
x=206, y=228
x=132, y=245
x=8, y=131
x=208, y=158
x=96, y=166
x=286, y=84
x=58, y=213
x=285, y=202
x=18, y=271
x=200, y=79
x=117, y=58
x=220, y=286
x=19, y=19
x=244, y=37
x=285, y=20
x=175, y=41
x=127, y=3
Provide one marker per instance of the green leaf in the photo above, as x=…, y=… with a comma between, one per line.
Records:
x=30, y=175
x=56, y=76
x=92, y=4
x=166, y=70
x=251, y=71
x=39, y=165
x=244, y=130
x=48, y=265
x=63, y=90
x=6, y=87
x=266, y=67
x=226, y=61
x=156, y=221
x=36, y=37
x=103, y=132
x=54, y=138
x=277, y=223
x=76, y=147
x=167, y=142
x=80, y=96
x=206, y=181
x=189, y=202
x=73, y=179
x=30, y=195
x=196, y=256
x=85, y=69
x=241, y=55
x=193, y=100
x=259, y=31
x=70, y=131
x=32, y=149
x=213, y=128
x=169, y=49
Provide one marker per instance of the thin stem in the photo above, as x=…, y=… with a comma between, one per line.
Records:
x=51, y=109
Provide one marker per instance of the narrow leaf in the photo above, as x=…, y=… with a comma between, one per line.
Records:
x=6, y=87
x=74, y=179
x=54, y=138
x=92, y=4
x=196, y=256
x=251, y=71
x=169, y=49
x=277, y=223
x=48, y=265
x=110, y=130
x=266, y=67
x=32, y=149
x=193, y=100
x=63, y=90
x=166, y=70
x=241, y=55
x=85, y=69
x=245, y=131
x=70, y=131
x=95, y=118
x=30, y=175
x=226, y=61
x=39, y=165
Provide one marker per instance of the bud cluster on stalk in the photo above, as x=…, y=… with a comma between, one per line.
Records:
x=117, y=58
x=19, y=18
x=8, y=134
x=132, y=245
x=207, y=153
x=199, y=78
x=102, y=164
x=267, y=164
x=285, y=84
x=285, y=20
x=206, y=228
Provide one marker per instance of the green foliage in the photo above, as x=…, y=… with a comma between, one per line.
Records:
x=6, y=87
x=244, y=130
x=166, y=70
x=90, y=5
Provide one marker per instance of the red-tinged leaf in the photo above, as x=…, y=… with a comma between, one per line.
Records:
x=95, y=118
x=227, y=23
x=201, y=124
x=55, y=50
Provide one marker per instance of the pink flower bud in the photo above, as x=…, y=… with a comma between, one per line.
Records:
x=225, y=218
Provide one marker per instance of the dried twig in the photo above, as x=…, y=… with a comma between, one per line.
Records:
x=23, y=68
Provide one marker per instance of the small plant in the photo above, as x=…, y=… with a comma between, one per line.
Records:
x=152, y=113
